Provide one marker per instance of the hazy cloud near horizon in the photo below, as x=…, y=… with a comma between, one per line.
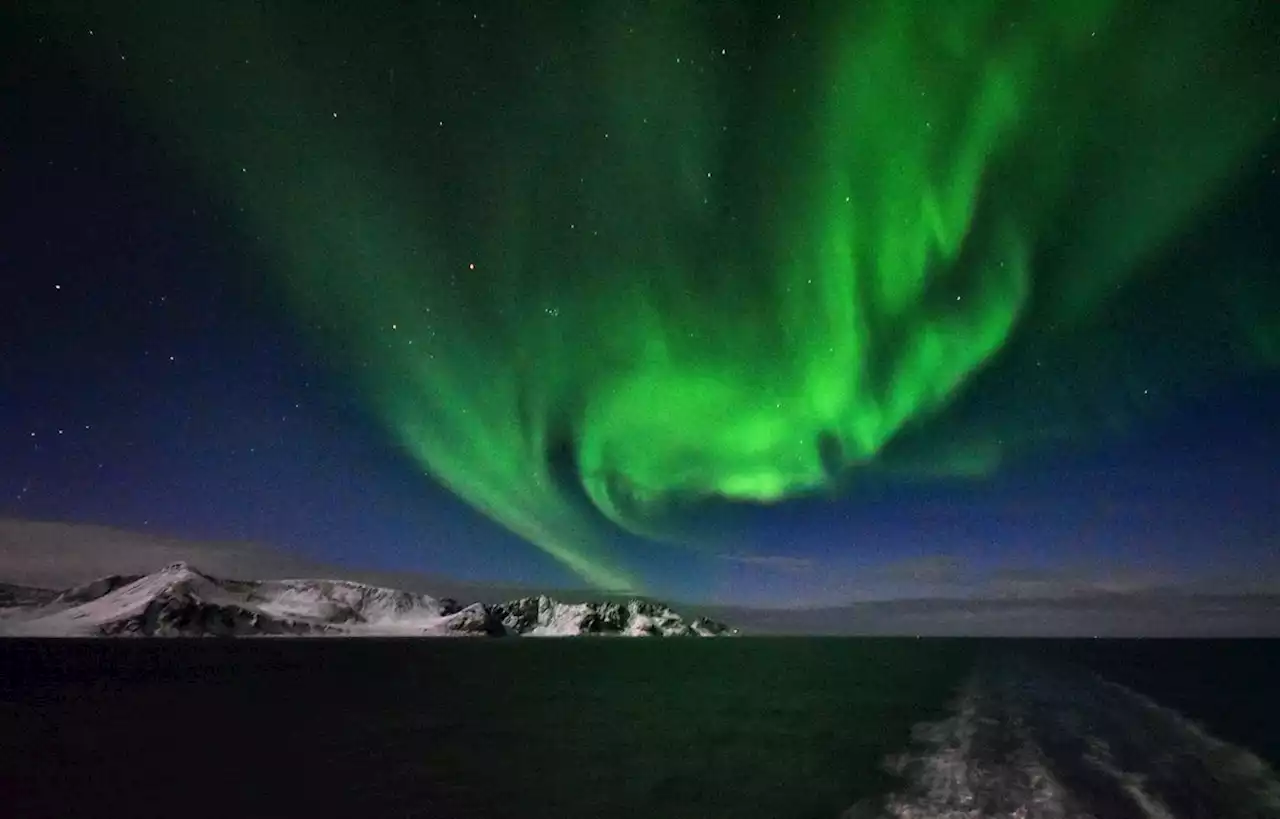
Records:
x=944, y=576
x=1082, y=601
x=54, y=555
x=781, y=563
x=57, y=555
x=1123, y=616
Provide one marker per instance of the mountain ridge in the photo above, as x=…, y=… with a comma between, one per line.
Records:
x=180, y=600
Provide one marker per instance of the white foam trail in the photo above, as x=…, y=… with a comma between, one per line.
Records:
x=1024, y=742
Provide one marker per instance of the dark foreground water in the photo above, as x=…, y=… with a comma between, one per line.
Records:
x=778, y=728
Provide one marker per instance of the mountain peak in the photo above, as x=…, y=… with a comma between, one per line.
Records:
x=179, y=600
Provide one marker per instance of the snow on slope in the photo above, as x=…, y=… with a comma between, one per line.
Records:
x=132, y=599
x=177, y=600
x=181, y=601
x=342, y=601
x=544, y=617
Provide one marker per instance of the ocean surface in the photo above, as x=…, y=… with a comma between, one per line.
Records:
x=783, y=728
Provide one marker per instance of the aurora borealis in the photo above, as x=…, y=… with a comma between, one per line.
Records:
x=617, y=267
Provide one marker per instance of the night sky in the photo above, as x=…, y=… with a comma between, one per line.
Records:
x=733, y=302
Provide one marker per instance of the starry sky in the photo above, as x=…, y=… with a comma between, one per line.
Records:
x=741, y=303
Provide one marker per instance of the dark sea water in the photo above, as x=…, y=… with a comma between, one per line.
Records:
x=751, y=727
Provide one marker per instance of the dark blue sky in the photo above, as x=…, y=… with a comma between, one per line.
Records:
x=149, y=379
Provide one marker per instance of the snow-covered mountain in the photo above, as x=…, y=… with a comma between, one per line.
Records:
x=181, y=601
x=544, y=617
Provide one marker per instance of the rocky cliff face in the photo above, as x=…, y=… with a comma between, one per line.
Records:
x=543, y=616
x=12, y=596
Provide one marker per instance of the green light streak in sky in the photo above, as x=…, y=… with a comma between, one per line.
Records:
x=706, y=275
